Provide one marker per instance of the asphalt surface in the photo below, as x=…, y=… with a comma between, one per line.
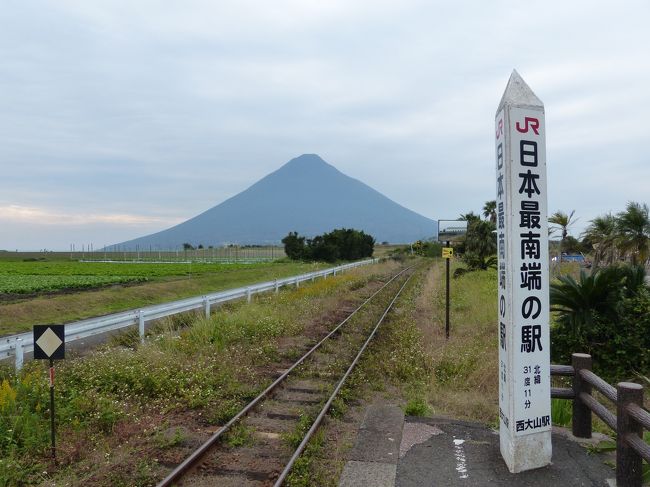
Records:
x=393, y=450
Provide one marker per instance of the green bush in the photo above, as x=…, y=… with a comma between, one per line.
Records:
x=607, y=315
x=417, y=407
x=339, y=244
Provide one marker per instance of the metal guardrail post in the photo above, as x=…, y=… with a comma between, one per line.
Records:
x=581, y=419
x=277, y=287
x=141, y=325
x=206, y=302
x=248, y=295
x=628, y=462
x=20, y=354
x=297, y=283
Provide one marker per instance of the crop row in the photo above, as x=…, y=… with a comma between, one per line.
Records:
x=149, y=270
x=24, y=284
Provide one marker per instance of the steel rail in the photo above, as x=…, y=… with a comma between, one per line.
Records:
x=18, y=345
x=319, y=419
x=197, y=454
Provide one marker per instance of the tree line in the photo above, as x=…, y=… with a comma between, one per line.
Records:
x=339, y=244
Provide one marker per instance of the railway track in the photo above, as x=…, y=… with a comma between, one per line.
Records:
x=276, y=426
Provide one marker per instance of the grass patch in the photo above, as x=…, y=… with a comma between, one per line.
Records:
x=239, y=435
x=110, y=404
x=417, y=407
x=19, y=316
x=302, y=474
x=561, y=412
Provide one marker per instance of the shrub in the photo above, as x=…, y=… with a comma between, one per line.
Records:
x=607, y=315
x=343, y=243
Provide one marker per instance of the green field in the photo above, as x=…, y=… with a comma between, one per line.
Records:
x=49, y=276
x=27, y=284
x=61, y=291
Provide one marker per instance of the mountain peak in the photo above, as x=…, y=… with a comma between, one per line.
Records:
x=307, y=160
x=306, y=195
x=307, y=166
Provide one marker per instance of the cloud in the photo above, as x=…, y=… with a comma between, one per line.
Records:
x=41, y=216
x=171, y=108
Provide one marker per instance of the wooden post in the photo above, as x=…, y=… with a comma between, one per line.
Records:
x=628, y=462
x=581, y=419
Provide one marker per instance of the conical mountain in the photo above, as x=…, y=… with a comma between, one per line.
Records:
x=306, y=195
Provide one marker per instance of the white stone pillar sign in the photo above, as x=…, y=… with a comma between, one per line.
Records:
x=522, y=245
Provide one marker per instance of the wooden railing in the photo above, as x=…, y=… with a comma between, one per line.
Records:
x=628, y=423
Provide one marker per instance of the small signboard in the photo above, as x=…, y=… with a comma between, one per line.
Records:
x=49, y=342
x=447, y=252
x=451, y=230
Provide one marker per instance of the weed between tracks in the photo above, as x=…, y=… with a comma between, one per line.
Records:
x=410, y=362
x=127, y=414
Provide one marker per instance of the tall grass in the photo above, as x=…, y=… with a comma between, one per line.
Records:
x=464, y=383
x=21, y=315
x=111, y=400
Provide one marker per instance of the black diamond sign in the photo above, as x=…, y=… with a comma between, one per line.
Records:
x=49, y=342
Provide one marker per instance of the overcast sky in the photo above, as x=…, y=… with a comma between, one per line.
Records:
x=120, y=118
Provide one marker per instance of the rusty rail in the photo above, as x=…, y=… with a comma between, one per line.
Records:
x=197, y=455
x=629, y=421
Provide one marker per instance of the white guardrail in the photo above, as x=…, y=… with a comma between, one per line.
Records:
x=19, y=345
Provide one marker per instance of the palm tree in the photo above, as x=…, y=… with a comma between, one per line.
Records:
x=633, y=226
x=563, y=221
x=490, y=210
x=469, y=217
x=577, y=302
x=602, y=235
x=598, y=294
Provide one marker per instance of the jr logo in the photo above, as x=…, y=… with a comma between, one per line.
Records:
x=529, y=122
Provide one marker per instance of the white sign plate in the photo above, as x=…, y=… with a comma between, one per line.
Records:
x=451, y=230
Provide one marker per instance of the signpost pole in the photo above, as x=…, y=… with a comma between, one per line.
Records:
x=52, y=426
x=447, y=300
x=49, y=344
x=523, y=279
x=449, y=231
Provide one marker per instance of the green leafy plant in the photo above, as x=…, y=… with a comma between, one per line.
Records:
x=605, y=314
x=417, y=407
x=561, y=412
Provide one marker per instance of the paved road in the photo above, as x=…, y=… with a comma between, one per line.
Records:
x=394, y=451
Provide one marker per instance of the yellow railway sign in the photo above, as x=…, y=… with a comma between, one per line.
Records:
x=447, y=252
